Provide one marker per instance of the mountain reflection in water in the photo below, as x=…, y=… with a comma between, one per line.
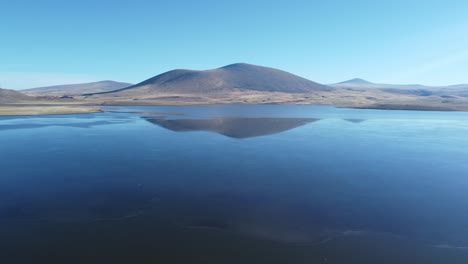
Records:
x=234, y=127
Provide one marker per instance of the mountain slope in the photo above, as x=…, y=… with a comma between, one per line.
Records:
x=77, y=89
x=231, y=78
x=11, y=97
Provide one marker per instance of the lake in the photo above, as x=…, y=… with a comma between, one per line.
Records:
x=235, y=184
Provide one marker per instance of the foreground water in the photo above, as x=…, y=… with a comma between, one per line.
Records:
x=235, y=184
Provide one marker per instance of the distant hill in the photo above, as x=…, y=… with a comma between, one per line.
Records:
x=361, y=83
x=356, y=81
x=243, y=83
x=235, y=77
x=460, y=90
x=11, y=97
x=77, y=89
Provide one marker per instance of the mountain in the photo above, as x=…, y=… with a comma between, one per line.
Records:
x=355, y=81
x=243, y=83
x=458, y=86
x=77, y=89
x=460, y=90
x=11, y=96
x=361, y=83
x=231, y=78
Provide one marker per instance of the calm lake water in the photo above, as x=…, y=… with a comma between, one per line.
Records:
x=235, y=184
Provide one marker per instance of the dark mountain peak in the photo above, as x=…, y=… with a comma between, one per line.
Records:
x=240, y=65
x=252, y=68
x=166, y=77
x=356, y=81
x=178, y=72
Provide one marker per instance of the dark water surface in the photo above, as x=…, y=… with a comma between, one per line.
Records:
x=235, y=184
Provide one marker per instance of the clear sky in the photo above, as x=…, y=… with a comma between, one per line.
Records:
x=45, y=42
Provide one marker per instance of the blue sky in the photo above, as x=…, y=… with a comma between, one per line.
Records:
x=46, y=42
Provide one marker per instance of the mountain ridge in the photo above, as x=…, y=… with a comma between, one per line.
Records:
x=355, y=81
x=8, y=96
x=242, y=83
x=77, y=88
x=229, y=78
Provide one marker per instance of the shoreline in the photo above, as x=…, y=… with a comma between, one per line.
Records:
x=387, y=107
x=41, y=110
x=32, y=109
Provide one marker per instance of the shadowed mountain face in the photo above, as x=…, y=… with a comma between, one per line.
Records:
x=11, y=96
x=234, y=127
x=77, y=89
x=230, y=78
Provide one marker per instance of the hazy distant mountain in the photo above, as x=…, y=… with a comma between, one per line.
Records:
x=356, y=81
x=11, y=96
x=235, y=77
x=460, y=90
x=361, y=83
x=458, y=86
x=77, y=89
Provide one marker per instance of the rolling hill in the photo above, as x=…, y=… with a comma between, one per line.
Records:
x=243, y=83
x=460, y=90
x=12, y=97
x=77, y=89
x=231, y=78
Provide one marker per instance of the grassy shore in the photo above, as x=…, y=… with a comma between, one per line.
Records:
x=20, y=110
